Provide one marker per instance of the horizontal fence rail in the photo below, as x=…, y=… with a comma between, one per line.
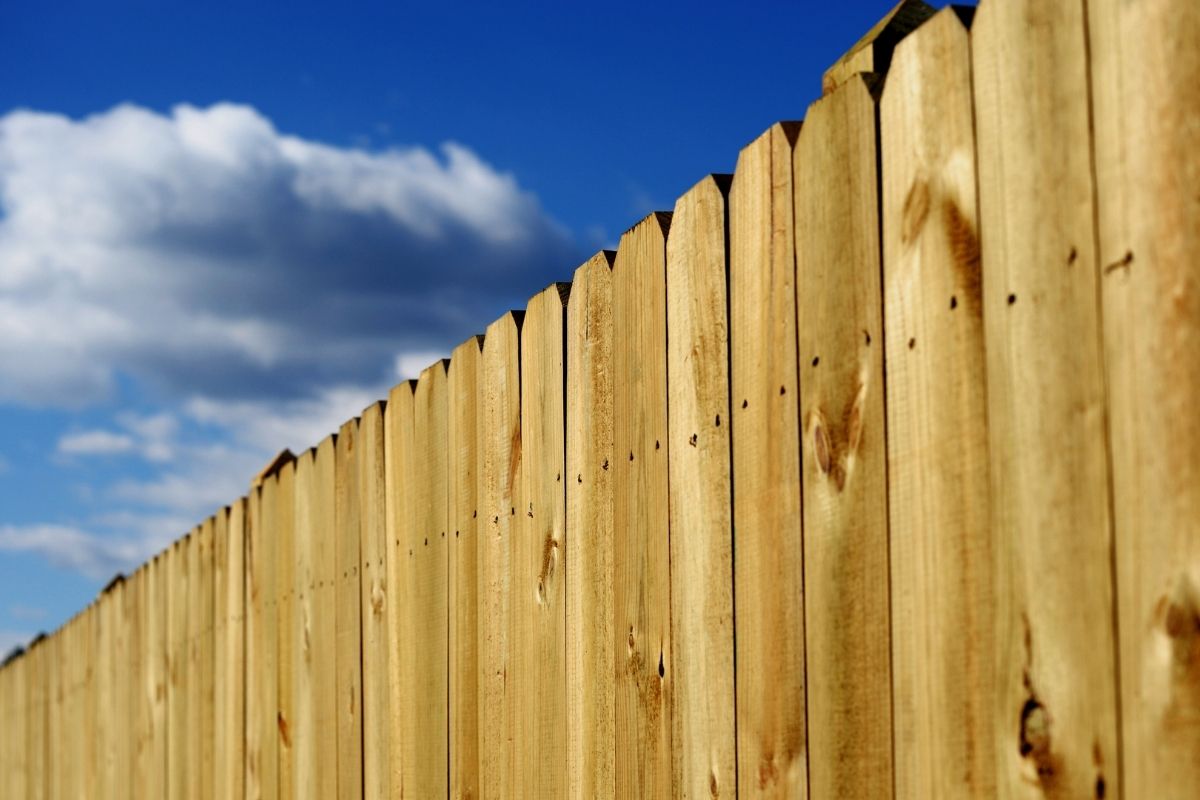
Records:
x=871, y=470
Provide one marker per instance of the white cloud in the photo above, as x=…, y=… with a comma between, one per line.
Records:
x=68, y=547
x=95, y=443
x=203, y=252
x=24, y=613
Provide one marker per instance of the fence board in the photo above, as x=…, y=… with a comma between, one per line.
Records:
x=641, y=548
x=375, y=611
x=501, y=420
x=767, y=521
x=1145, y=76
x=231, y=609
x=464, y=461
x=158, y=678
x=941, y=557
x=589, y=587
x=398, y=445
x=175, y=589
x=347, y=537
x=1056, y=695
x=261, y=755
x=701, y=555
x=538, y=555
x=317, y=525
x=283, y=533
x=844, y=468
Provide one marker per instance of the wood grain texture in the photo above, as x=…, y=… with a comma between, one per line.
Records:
x=703, y=728
x=193, y=664
x=206, y=661
x=423, y=594
x=398, y=452
x=176, y=595
x=347, y=599
x=316, y=520
x=941, y=554
x=591, y=704
x=501, y=421
x=1056, y=715
x=767, y=521
x=538, y=555
x=464, y=470
x=231, y=651
x=375, y=611
x=1145, y=78
x=158, y=678
x=285, y=610
x=641, y=546
x=844, y=464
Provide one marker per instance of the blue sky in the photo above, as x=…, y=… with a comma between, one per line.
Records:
x=225, y=228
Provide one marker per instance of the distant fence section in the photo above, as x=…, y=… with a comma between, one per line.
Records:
x=872, y=470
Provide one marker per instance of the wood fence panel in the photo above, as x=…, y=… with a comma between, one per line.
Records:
x=423, y=619
x=501, y=419
x=103, y=698
x=1056, y=715
x=125, y=668
x=844, y=464
x=641, y=548
x=194, y=748
x=399, y=445
x=374, y=602
x=175, y=589
x=283, y=533
x=321, y=643
x=701, y=555
x=261, y=754
x=306, y=749
x=230, y=701
x=347, y=538
x=767, y=522
x=941, y=553
x=538, y=555
x=206, y=663
x=464, y=462
x=38, y=679
x=591, y=703
x=157, y=679
x=1145, y=76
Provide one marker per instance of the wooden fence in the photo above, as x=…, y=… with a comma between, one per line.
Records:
x=873, y=470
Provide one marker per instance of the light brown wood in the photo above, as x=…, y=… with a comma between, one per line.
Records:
x=157, y=682
x=1145, y=78
x=398, y=442
x=322, y=641
x=501, y=422
x=941, y=554
x=306, y=748
x=703, y=730
x=374, y=603
x=873, y=52
x=347, y=538
x=285, y=612
x=767, y=521
x=539, y=550
x=1056, y=712
x=591, y=705
x=464, y=462
x=641, y=548
x=231, y=607
x=175, y=588
x=194, y=663
x=261, y=739
x=423, y=594
x=844, y=462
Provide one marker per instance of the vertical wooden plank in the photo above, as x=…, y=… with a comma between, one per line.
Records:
x=124, y=667
x=175, y=586
x=538, y=555
x=152, y=691
x=704, y=759
x=844, y=467
x=261, y=739
x=1056, y=715
x=194, y=746
x=423, y=593
x=941, y=554
x=641, y=547
x=105, y=721
x=231, y=701
x=322, y=640
x=347, y=591
x=464, y=459
x=398, y=445
x=205, y=763
x=38, y=675
x=591, y=704
x=375, y=616
x=765, y=391
x=1145, y=79
x=302, y=730
x=501, y=379
x=131, y=678
x=285, y=611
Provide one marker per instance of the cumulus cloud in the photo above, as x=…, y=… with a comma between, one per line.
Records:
x=71, y=548
x=204, y=253
x=92, y=443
